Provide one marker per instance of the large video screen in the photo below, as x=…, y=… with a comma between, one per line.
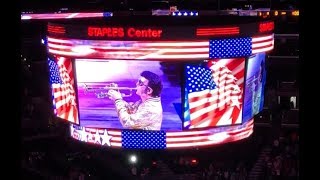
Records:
x=121, y=94
x=63, y=89
x=254, y=88
x=213, y=93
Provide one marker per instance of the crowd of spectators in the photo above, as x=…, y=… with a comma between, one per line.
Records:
x=283, y=162
x=220, y=172
x=57, y=158
x=63, y=158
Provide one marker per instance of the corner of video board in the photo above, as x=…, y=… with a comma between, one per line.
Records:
x=157, y=94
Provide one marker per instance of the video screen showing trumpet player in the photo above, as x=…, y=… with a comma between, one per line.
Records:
x=122, y=94
x=147, y=112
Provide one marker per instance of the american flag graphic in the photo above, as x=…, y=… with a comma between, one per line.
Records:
x=213, y=93
x=150, y=139
x=207, y=137
x=130, y=49
x=262, y=43
x=158, y=50
x=63, y=93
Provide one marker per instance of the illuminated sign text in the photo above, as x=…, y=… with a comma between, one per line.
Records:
x=120, y=32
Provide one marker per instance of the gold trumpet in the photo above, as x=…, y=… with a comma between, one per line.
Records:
x=102, y=92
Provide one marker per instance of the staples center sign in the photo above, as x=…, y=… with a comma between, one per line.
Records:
x=121, y=32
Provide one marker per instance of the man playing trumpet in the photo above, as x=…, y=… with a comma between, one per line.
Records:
x=145, y=114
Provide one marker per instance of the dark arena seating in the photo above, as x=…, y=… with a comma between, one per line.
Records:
x=46, y=158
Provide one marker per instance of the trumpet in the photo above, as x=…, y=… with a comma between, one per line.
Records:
x=102, y=92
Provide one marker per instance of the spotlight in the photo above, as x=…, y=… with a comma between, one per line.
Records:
x=133, y=159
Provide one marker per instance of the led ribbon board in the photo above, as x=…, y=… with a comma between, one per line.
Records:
x=133, y=139
x=204, y=49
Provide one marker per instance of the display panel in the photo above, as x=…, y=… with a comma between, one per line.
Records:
x=149, y=95
x=142, y=50
x=254, y=87
x=63, y=89
x=200, y=103
x=131, y=139
x=213, y=93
